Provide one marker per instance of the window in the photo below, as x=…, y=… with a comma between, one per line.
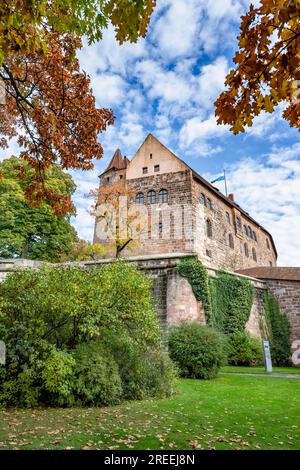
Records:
x=254, y=254
x=209, y=228
x=246, y=250
x=228, y=217
x=231, y=241
x=156, y=168
x=209, y=203
x=121, y=177
x=246, y=230
x=250, y=231
x=150, y=156
x=268, y=244
x=139, y=198
x=151, y=197
x=160, y=227
x=254, y=236
x=238, y=222
x=208, y=253
x=107, y=179
x=202, y=199
x=163, y=195
x=145, y=170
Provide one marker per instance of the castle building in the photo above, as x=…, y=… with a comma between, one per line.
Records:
x=184, y=213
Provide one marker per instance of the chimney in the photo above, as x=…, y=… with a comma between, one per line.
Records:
x=231, y=197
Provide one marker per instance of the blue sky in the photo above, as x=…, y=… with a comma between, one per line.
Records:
x=166, y=84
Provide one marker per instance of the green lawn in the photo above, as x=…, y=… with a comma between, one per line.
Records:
x=231, y=412
x=261, y=370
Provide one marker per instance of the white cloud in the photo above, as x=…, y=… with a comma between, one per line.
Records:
x=199, y=131
x=109, y=89
x=270, y=191
x=211, y=81
x=175, y=31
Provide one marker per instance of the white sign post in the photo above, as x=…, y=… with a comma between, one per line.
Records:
x=267, y=355
x=2, y=353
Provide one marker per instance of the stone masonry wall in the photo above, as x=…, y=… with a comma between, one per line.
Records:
x=288, y=295
x=216, y=251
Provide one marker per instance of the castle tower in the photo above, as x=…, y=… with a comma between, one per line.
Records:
x=116, y=169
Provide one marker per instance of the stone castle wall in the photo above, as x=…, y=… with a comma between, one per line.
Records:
x=288, y=295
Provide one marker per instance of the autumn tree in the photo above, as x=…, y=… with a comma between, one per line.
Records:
x=84, y=251
x=267, y=66
x=119, y=219
x=49, y=105
x=33, y=231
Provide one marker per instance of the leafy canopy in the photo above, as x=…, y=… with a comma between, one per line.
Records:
x=49, y=104
x=267, y=66
x=33, y=231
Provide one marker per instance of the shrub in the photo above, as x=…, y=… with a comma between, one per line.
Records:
x=244, y=350
x=57, y=376
x=279, y=327
x=96, y=376
x=199, y=351
x=144, y=372
x=47, y=313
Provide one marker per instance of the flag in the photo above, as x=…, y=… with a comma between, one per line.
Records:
x=221, y=178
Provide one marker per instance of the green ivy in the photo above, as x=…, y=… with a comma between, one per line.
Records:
x=279, y=331
x=193, y=270
x=231, y=300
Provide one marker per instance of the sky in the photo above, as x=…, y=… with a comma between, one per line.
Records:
x=166, y=85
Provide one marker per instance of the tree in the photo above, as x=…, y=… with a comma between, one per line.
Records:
x=113, y=209
x=84, y=251
x=50, y=107
x=33, y=231
x=267, y=66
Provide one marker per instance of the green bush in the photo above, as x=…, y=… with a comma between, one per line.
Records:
x=279, y=327
x=144, y=372
x=244, y=350
x=96, y=376
x=47, y=314
x=199, y=351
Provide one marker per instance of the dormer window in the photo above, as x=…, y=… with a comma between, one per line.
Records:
x=145, y=170
x=156, y=168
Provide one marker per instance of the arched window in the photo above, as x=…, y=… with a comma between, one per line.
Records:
x=254, y=254
x=209, y=203
x=231, y=241
x=151, y=197
x=139, y=198
x=246, y=230
x=163, y=195
x=209, y=232
x=246, y=250
x=203, y=199
x=250, y=231
x=254, y=236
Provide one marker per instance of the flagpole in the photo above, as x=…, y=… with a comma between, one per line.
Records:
x=225, y=183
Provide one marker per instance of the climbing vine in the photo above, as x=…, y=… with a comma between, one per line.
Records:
x=231, y=299
x=193, y=270
x=227, y=299
x=279, y=331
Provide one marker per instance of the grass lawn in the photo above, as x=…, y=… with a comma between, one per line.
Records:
x=231, y=412
x=261, y=370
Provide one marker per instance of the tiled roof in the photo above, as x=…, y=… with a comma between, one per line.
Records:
x=117, y=162
x=272, y=273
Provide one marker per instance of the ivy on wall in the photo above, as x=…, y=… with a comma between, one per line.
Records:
x=226, y=299
x=279, y=331
x=232, y=299
x=193, y=270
